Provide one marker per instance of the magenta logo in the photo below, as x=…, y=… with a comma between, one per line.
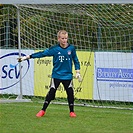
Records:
x=10, y=71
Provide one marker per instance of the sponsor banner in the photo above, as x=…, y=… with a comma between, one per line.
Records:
x=42, y=75
x=83, y=90
x=10, y=73
x=113, y=76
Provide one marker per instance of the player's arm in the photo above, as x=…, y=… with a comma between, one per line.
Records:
x=47, y=52
x=34, y=55
x=20, y=59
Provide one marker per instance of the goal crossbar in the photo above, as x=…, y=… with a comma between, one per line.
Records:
x=66, y=2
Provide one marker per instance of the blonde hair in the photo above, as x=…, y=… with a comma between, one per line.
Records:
x=61, y=32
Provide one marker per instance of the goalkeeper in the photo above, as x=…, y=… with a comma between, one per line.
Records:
x=64, y=55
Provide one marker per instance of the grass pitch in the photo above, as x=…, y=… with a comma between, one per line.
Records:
x=20, y=118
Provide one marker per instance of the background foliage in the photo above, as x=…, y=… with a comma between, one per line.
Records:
x=103, y=27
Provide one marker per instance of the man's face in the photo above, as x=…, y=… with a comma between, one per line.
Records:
x=63, y=39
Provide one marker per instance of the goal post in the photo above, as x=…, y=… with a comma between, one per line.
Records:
x=102, y=35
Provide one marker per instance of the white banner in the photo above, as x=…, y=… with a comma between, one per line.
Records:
x=10, y=73
x=113, y=76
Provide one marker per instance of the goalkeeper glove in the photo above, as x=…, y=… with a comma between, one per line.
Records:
x=20, y=59
x=78, y=76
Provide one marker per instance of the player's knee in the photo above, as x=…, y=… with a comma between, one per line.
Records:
x=70, y=90
x=51, y=94
x=70, y=93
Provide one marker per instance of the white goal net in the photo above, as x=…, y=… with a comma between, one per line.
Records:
x=102, y=35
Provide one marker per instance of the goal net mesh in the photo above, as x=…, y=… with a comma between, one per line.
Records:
x=102, y=35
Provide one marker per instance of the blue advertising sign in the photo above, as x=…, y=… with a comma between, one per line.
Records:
x=114, y=74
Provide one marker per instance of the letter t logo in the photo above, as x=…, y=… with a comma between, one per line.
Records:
x=61, y=58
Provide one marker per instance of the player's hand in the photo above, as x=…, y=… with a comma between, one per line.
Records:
x=78, y=76
x=20, y=59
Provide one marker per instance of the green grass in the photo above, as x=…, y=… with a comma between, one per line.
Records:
x=20, y=118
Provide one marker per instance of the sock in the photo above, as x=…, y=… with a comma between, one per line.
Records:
x=45, y=105
x=71, y=107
